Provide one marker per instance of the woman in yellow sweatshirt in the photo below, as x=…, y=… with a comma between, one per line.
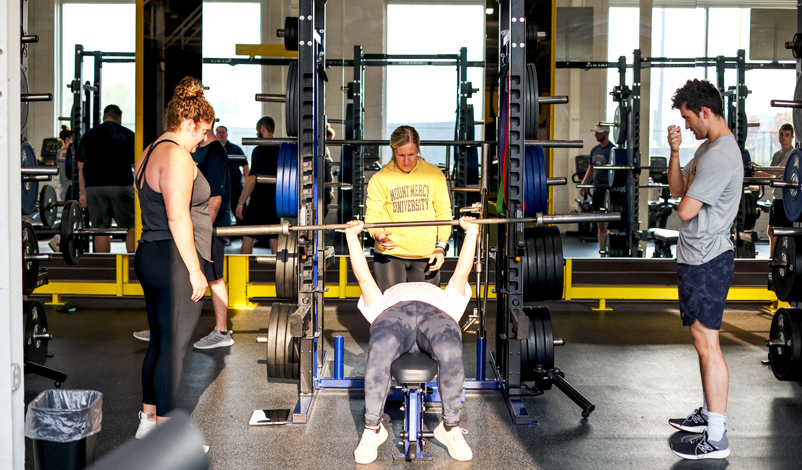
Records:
x=407, y=189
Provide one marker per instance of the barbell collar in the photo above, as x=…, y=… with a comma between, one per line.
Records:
x=38, y=170
x=774, y=342
x=552, y=100
x=750, y=180
x=785, y=231
x=36, y=97
x=786, y=184
x=30, y=39
x=266, y=259
x=270, y=98
x=560, y=181
x=786, y=104
x=39, y=257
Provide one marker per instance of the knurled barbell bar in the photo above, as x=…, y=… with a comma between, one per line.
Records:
x=277, y=141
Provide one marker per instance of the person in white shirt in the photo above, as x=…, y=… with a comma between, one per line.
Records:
x=406, y=315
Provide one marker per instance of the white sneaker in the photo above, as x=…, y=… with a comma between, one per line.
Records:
x=454, y=441
x=367, y=450
x=145, y=426
x=143, y=335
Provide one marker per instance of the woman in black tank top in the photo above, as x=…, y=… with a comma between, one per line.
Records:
x=175, y=243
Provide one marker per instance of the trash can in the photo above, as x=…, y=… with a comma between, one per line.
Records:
x=63, y=425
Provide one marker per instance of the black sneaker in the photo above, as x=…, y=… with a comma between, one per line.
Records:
x=699, y=447
x=695, y=422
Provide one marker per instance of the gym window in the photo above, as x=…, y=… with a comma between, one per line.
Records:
x=231, y=89
x=88, y=24
x=426, y=97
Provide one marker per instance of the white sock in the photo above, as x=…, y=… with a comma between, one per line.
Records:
x=704, y=406
x=715, y=426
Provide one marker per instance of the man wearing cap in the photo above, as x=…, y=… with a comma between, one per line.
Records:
x=600, y=155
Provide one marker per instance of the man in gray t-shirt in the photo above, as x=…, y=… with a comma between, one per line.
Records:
x=710, y=186
x=777, y=216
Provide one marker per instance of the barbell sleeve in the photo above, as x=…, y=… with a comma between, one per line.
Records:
x=35, y=97
x=785, y=231
x=774, y=342
x=270, y=98
x=777, y=264
x=585, y=186
x=559, y=341
x=607, y=124
x=786, y=104
x=37, y=178
x=552, y=100
x=30, y=39
x=785, y=184
x=467, y=190
x=557, y=144
x=769, y=168
x=39, y=257
x=753, y=124
x=38, y=170
x=266, y=259
x=560, y=181
x=750, y=180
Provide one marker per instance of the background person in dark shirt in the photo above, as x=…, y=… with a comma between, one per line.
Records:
x=105, y=159
x=237, y=169
x=599, y=155
x=261, y=209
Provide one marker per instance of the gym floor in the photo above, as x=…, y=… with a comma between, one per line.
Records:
x=635, y=363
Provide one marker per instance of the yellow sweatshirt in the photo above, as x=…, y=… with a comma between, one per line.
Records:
x=421, y=194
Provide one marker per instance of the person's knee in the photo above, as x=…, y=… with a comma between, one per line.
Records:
x=705, y=340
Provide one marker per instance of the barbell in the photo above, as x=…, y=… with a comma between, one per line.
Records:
x=72, y=228
x=277, y=141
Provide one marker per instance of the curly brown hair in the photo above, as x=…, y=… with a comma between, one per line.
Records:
x=188, y=103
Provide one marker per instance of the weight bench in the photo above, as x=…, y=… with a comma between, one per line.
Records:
x=413, y=370
x=663, y=240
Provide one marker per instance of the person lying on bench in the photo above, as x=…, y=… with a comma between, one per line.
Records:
x=405, y=315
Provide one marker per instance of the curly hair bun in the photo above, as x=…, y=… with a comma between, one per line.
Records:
x=188, y=88
x=65, y=127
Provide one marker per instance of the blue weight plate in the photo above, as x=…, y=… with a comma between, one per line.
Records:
x=542, y=187
x=280, y=182
x=536, y=182
x=292, y=194
x=287, y=181
x=30, y=189
x=472, y=166
x=528, y=183
x=792, y=198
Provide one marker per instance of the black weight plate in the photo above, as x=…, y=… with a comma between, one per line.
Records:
x=558, y=281
x=30, y=268
x=548, y=339
x=47, y=206
x=787, y=285
x=616, y=201
x=786, y=360
x=621, y=128
x=529, y=268
x=281, y=341
x=347, y=164
x=291, y=267
x=542, y=261
x=281, y=259
x=749, y=204
x=792, y=198
x=618, y=178
x=531, y=102
x=35, y=324
x=30, y=189
x=540, y=352
x=472, y=166
x=291, y=33
x=272, y=331
x=71, y=220
x=345, y=204
x=548, y=248
x=349, y=121
x=292, y=101
x=24, y=105
x=289, y=363
x=797, y=112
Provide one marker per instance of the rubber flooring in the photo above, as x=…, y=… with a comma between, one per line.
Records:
x=635, y=363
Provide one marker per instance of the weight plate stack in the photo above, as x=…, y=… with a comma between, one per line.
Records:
x=283, y=351
x=745, y=249
x=292, y=100
x=35, y=324
x=749, y=210
x=30, y=268
x=616, y=201
x=621, y=128
x=615, y=245
x=287, y=181
x=47, y=206
x=787, y=285
x=786, y=360
x=30, y=189
x=291, y=33
x=618, y=178
x=349, y=121
x=792, y=198
x=287, y=266
x=538, y=347
x=532, y=91
x=536, y=190
x=543, y=264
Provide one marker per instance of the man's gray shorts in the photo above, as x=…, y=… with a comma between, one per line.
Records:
x=110, y=202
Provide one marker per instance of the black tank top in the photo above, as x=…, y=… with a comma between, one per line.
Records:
x=154, y=213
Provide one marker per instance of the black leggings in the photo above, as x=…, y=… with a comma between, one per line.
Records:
x=172, y=317
x=390, y=270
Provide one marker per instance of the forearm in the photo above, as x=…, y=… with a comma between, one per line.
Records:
x=359, y=265
x=250, y=182
x=465, y=262
x=588, y=175
x=81, y=183
x=184, y=237
x=676, y=180
x=214, y=206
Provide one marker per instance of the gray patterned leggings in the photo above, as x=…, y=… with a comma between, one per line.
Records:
x=396, y=331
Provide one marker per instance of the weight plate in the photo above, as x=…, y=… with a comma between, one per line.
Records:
x=797, y=112
x=281, y=181
x=542, y=263
x=272, y=329
x=532, y=91
x=47, y=206
x=291, y=33
x=621, y=128
x=35, y=324
x=283, y=351
x=30, y=189
x=541, y=179
x=618, y=178
x=787, y=285
x=281, y=340
x=71, y=220
x=24, y=105
x=792, y=198
x=349, y=121
x=548, y=339
x=548, y=256
x=472, y=166
x=559, y=264
x=528, y=187
x=534, y=171
x=616, y=201
x=347, y=164
x=345, y=204
x=30, y=268
x=615, y=244
x=281, y=259
x=291, y=268
x=538, y=347
x=540, y=352
x=785, y=359
x=292, y=99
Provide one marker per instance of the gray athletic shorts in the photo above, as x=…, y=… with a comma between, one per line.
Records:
x=110, y=202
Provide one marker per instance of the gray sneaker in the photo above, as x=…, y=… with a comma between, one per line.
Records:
x=143, y=335
x=215, y=339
